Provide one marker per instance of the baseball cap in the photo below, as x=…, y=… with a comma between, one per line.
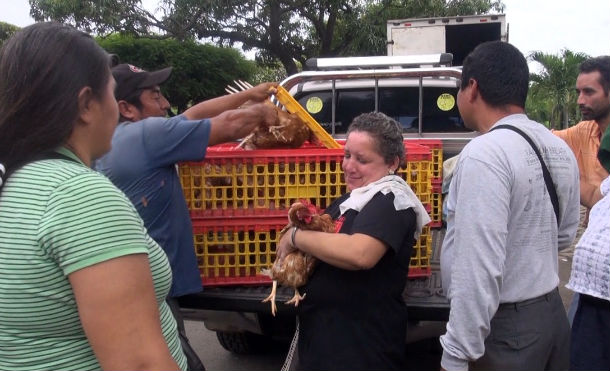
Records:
x=130, y=78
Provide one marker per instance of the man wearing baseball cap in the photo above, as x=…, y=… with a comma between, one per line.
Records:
x=135, y=88
x=145, y=148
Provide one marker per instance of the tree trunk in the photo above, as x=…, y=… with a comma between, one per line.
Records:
x=289, y=65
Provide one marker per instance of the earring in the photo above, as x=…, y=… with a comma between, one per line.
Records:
x=390, y=172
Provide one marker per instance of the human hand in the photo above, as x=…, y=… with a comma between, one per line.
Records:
x=262, y=91
x=238, y=123
x=285, y=246
x=265, y=114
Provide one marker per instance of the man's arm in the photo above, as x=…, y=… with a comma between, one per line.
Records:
x=566, y=135
x=589, y=194
x=214, y=107
x=238, y=123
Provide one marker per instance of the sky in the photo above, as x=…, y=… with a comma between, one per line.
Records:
x=534, y=25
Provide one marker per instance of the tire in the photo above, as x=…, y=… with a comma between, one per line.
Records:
x=240, y=342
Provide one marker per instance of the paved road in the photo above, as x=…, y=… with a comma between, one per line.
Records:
x=216, y=358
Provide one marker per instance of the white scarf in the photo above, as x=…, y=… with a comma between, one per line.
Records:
x=404, y=198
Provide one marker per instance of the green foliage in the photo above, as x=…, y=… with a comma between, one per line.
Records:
x=99, y=16
x=6, y=31
x=265, y=73
x=552, y=95
x=200, y=72
x=284, y=31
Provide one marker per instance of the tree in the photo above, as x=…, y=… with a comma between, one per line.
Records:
x=6, y=31
x=268, y=72
x=288, y=31
x=557, y=81
x=200, y=71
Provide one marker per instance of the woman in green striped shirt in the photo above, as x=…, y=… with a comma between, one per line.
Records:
x=82, y=285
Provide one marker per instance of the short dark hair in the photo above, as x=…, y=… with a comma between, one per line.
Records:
x=600, y=64
x=386, y=132
x=133, y=98
x=500, y=71
x=43, y=67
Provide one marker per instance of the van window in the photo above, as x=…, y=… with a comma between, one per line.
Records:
x=402, y=104
x=439, y=111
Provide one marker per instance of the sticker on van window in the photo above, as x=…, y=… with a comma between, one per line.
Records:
x=445, y=102
x=314, y=105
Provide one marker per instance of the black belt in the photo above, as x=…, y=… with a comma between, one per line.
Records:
x=517, y=305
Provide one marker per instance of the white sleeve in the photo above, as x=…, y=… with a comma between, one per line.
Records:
x=477, y=254
x=568, y=224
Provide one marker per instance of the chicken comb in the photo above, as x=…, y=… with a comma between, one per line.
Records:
x=310, y=206
x=305, y=201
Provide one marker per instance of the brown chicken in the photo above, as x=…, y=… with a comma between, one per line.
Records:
x=297, y=266
x=289, y=131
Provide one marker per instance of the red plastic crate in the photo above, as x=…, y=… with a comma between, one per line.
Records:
x=235, y=251
x=232, y=182
x=436, y=146
x=245, y=183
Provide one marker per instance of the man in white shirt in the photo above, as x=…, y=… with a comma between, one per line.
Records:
x=499, y=257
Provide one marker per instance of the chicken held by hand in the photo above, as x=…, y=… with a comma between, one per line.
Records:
x=288, y=132
x=294, y=268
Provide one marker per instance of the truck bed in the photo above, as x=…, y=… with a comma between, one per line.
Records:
x=424, y=296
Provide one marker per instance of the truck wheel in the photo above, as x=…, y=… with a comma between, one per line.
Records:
x=239, y=342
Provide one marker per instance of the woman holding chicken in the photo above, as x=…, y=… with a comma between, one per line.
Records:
x=354, y=317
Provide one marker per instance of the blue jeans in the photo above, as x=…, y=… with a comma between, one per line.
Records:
x=573, y=307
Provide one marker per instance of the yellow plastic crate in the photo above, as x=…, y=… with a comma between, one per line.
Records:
x=236, y=183
x=419, y=265
x=292, y=106
x=436, y=210
x=436, y=147
x=239, y=183
x=234, y=251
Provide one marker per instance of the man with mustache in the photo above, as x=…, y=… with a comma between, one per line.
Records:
x=593, y=88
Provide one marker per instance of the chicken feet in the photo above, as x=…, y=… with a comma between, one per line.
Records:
x=271, y=298
x=296, y=298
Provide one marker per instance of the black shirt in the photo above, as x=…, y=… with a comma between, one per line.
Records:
x=357, y=320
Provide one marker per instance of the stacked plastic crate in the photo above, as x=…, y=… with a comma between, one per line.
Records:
x=436, y=196
x=239, y=201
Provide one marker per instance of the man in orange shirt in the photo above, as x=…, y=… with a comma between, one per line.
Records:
x=593, y=87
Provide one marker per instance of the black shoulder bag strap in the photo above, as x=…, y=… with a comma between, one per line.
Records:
x=545, y=171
